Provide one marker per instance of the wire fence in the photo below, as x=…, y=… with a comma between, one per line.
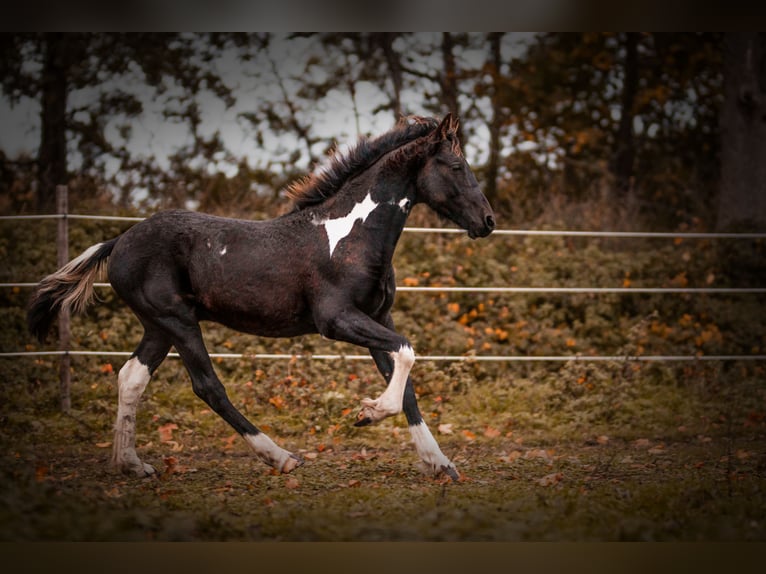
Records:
x=435, y=358
x=462, y=289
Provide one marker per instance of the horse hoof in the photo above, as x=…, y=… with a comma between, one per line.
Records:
x=450, y=471
x=362, y=420
x=292, y=463
x=142, y=470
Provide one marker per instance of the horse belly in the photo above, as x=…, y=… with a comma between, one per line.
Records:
x=271, y=311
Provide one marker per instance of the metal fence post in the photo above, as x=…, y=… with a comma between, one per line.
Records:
x=62, y=244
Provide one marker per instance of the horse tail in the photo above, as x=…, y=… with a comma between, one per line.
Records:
x=70, y=288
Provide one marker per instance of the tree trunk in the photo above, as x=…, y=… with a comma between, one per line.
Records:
x=449, y=81
x=742, y=192
x=625, y=152
x=495, y=124
x=52, y=166
x=386, y=40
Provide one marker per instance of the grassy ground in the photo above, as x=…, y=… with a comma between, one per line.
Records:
x=671, y=476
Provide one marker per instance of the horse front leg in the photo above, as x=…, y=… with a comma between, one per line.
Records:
x=390, y=402
x=353, y=326
x=434, y=462
x=394, y=357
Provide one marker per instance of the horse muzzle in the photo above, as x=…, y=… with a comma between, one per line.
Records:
x=485, y=228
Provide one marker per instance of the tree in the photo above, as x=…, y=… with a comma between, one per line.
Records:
x=622, y=166
x=50, y=67
x=742, y=196
x=595, y=114
x=496, y=122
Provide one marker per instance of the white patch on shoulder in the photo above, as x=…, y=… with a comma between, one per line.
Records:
x=404, y=205
x=223, y=251
x=341, y=227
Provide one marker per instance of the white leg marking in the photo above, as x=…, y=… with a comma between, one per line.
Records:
x=389, y=403
x=132, y=380
x=340, y=227
x=273, y=455
x=434, y=461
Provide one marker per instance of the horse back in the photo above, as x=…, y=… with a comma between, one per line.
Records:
x=253, y=276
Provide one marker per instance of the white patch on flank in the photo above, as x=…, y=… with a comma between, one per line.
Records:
x=267, y=450
x=132, y=380
x=223, y=251
x=341, y=227
x=389, y=403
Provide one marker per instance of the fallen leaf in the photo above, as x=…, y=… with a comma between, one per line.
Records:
x=292, y=483
x=277, y=401
x=104, y=444
x=354, y=483
x=642, y=443
x=175, y=446
x=166, y=432
x=537, y=453
x=468, y=434
x=551, y=479
x=228, y=442
x=170, y=464
x=445, y=428
x=511, y=456
x=41, y=472
x=491, y=432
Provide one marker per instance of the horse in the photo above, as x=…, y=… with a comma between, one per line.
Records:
x=324, y=266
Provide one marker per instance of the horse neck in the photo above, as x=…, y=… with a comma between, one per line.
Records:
x=382, y=200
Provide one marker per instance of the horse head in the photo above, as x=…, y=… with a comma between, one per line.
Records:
x=447, y=184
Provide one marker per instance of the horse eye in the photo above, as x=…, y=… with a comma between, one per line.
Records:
x=457, y=166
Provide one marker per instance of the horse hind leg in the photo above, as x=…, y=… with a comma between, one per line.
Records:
x=131, y=381
x=187, y=339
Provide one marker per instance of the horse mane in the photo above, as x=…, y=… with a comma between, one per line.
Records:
x=340, y=167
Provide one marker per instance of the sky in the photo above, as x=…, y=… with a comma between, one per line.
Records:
x=154, y=136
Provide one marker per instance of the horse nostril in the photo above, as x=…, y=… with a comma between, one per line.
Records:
x=490, y=221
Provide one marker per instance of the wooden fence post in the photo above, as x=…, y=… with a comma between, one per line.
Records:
x=62, y=243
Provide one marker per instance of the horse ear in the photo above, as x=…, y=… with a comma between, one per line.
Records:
x=446, y=123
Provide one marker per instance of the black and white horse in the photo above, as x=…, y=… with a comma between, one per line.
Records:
x=325, y=267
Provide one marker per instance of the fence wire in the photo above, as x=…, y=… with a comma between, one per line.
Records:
x=463, y=289
x=431, y=358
